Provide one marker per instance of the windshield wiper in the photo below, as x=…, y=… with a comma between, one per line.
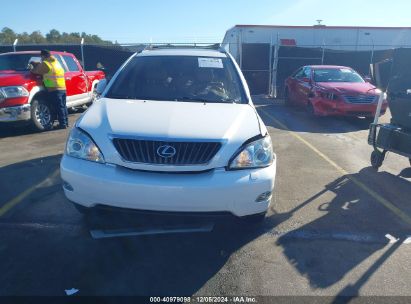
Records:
x=119, y=96
x=196, y=99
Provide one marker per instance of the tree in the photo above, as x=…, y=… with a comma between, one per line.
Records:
x=7, y=36
x=53, y=36
x=37, y=37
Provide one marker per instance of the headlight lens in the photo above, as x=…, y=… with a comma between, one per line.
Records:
x=13, y=92
x=256, y=154
x=80, y=145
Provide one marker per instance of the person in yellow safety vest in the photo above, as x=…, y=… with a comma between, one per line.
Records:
x=53, y=79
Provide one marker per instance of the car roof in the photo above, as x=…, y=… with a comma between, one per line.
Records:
x=35, y=53
x=328, y=67
x=198, y=52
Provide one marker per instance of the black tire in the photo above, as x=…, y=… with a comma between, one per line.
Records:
x=83, y=210
x=253, y=220
x=311, y=110
x=377, y=159
x=287, y=101
x=42, y=117
x=93, y=97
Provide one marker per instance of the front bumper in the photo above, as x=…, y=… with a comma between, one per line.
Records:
x=218, y=190
x=325, y=107
x=19, y=113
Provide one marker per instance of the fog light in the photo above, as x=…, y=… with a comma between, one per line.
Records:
x=263, y=197
x=67, y=186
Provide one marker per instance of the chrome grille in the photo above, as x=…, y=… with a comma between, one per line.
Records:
x=360, y=98
x=186, y=153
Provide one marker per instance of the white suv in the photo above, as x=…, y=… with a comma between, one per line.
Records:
x=175, y=130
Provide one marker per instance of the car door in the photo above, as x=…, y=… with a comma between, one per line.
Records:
x=76, y=82
x=306, y=86
x=293, y=85
x=303, y=86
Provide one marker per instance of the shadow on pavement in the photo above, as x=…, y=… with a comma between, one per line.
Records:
x=46, y=246
x=16, y=129
x=298, y=120
x=354, y=225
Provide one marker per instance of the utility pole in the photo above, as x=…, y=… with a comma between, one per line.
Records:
x=82, y=53
x=372, y=50
x=14, y=44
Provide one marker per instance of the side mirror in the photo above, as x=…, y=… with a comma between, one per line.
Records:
x=101, y=86
x=367, y=78
x=306, y=79
x=100, y=67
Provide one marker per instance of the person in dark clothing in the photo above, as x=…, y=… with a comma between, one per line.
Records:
x=53, y=79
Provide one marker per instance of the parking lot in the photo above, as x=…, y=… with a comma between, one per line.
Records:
x=335, y=226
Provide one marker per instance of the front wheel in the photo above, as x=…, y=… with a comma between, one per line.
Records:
x=377, y=159
x=253, y=220
x=287, y=100
x=41, y=115
x=311, y=110
x=93, y=98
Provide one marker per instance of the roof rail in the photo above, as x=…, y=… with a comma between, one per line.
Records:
x=214, y=46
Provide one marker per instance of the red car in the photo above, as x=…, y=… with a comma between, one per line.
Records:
x=327, y=90
x=22, y=93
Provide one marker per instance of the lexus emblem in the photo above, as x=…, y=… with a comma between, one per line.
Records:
x=166, y=151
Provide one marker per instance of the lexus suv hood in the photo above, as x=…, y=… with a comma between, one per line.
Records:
x=348, y=87
x=231, y=124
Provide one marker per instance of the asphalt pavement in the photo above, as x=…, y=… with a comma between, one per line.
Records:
x=335, y=227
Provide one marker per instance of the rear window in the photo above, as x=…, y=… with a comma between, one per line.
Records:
x=337, y=75
x=179, y=78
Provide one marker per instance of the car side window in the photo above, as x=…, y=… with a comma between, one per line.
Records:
x=71, y=64
x=307, y=73
x=299, y=74
x=58, y=57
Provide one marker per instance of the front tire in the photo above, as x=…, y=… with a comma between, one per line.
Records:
x=41, y=115
x=82, y=210
x=94, y=97
x=253, y=220
x=377, y=159
x=287, y=100
x=311, y=110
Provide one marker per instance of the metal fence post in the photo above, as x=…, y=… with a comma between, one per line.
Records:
x=14, y=44
x=273, y=84
x=323, y=53
x=82, y=53
x=241, y=49
x=270, y=66
x=372, y=58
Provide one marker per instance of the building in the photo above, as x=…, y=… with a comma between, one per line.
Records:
x=259, y=48
x=333, y=37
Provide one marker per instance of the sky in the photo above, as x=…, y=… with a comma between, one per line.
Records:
x=134, y=21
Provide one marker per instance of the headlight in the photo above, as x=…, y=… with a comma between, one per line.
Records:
x=80, y=145
x=256, y=154
x=12, y=92
x=378, y=91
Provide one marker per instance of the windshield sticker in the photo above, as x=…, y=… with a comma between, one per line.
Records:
x=210, y=63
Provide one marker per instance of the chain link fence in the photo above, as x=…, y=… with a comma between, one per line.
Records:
x=265, y=66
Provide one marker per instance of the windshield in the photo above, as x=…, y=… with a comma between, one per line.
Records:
x=15, y=62
x=336, y=75
x=179, y=78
